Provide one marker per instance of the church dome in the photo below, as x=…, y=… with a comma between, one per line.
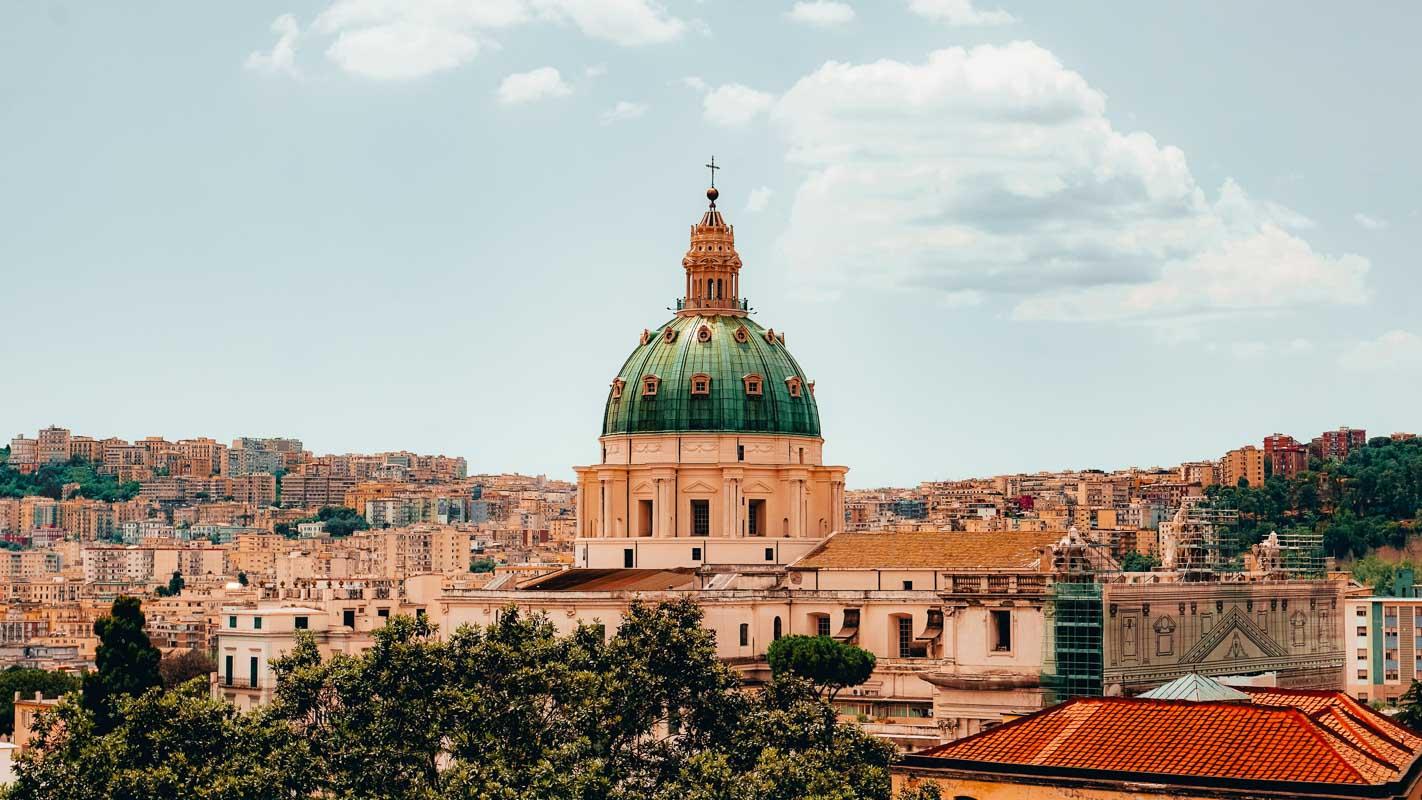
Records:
x=711, y=368
x=714, y=373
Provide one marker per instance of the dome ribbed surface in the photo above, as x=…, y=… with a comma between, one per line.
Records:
x=727, y=409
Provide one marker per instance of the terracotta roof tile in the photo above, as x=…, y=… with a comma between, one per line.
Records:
x=1002, y=550
x=1279, y=739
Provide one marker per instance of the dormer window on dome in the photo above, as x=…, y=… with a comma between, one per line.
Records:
x=742, y=335
x=770, y=335
x=650, y=384
x=755, y=385
x=700, y=385
x=703, y=334
x=669, y=335
x=646, y=336
x=617, y=384
x=792, y=383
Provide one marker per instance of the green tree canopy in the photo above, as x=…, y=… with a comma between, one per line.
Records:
x=514, y=711
x=126, y=661
x=26, y=681
x=828, y=664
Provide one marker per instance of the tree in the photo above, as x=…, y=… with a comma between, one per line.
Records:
x=164, y=745
x=829, y=665
x=1410, y=706
x=181, y=666
x=174, y=587
x=126, y=661
x=1136, y=562
x=482, y=565
x=25, y=681
x=242, y=578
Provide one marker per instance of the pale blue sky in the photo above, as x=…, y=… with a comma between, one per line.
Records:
x=1021, y=236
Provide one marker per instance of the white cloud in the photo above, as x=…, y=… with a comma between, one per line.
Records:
x=594, y=70
x=694, y=83
x=994, y=172
x=282, y=56
x=1370, y=222
x=400, y=39
x=733, y=105
x=531, y=86
x=624, y=110
x=958, y=13
x=1395, y=350
x=759, y=199
x=822, y=13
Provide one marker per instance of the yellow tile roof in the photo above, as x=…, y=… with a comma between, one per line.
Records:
x=1005, y=550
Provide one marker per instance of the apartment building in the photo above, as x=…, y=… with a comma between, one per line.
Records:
x=1246, y=464
x=53, y=445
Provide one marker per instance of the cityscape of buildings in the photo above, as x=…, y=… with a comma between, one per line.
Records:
x=995, y=607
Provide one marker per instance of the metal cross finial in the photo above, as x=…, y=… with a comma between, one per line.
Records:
x=712, y=166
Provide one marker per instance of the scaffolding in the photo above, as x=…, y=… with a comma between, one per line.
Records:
x=1072, y=658
x=1201, y=541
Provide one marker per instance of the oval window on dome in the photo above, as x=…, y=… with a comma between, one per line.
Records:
x=669, y=335
x=742, y=335
x=703, y=334
x=700, y=385
x=755, y=385
x=650, y=383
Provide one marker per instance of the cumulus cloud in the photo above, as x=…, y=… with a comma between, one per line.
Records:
x=528, y=87
x=282, y=56
x=958, y=13
x=624, y=110
x=994, y=172
x=1370, y=222
x=822, y=13
x=402, y=39
x=759, y=199
x=1393, y=351
x=733, y=105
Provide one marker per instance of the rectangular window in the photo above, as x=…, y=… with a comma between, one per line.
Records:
x=348, y=617
x=905, y=637
x=745, y=635
x=256, y=623
x=755, y=518
x=231, y=622
x=1362, y=674
x=252, y=672
x=908, y=586
x=770, y=554
x=629, y=558
x=644, y=517
x=822, y=625
x=700, y=517
x=1001, y=630
x=1362, y=631
x=740, y=452
x=695, y=554
x=419, y=613
x=1363, y=653
x=383, y=613
x=227, y=671
x=302, y=623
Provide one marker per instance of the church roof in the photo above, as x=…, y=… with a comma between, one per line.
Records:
x=988, y=550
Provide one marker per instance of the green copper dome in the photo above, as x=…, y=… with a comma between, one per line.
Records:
x=728, y=350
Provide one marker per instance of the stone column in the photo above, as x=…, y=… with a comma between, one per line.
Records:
x=797, y=507
x=730, y=507
x=605, y=523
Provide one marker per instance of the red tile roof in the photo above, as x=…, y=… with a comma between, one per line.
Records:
x=1281, y=735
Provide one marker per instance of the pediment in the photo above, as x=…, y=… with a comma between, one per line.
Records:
x=1235, y=636
x=759, y=486
x=700, y=487
x=645, y=487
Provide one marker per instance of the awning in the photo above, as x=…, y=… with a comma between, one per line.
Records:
x=850, y=630
x=935, y=626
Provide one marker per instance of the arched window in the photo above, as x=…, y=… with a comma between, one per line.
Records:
x=776, y=628
x=755, y=385
x=650, y=383
x=700, y=385
x=617, y=384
